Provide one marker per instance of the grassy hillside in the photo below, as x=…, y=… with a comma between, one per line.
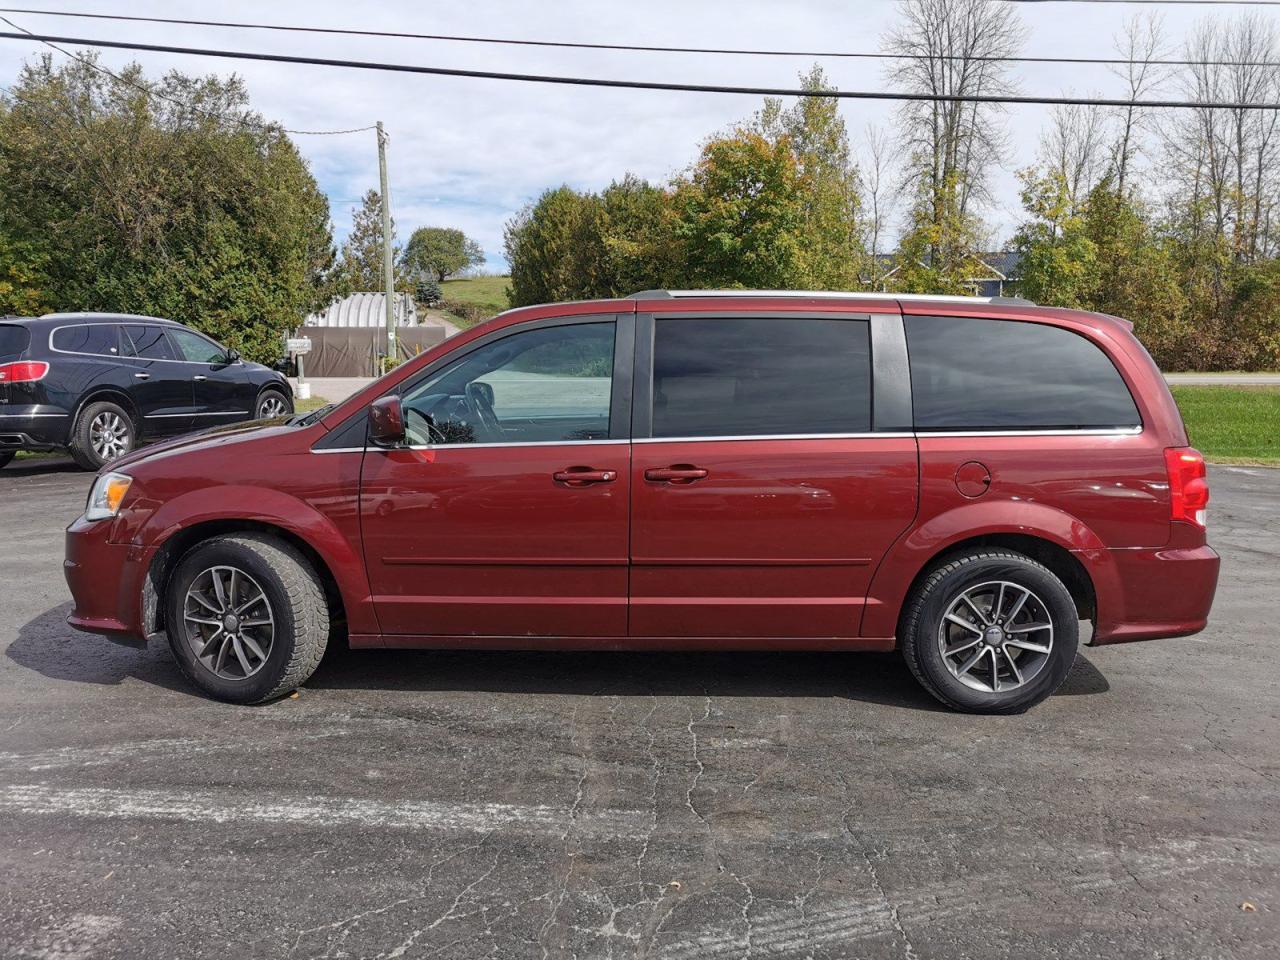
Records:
x=472, y=299
x=1232, y=424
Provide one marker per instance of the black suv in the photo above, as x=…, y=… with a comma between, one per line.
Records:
x=99, y=384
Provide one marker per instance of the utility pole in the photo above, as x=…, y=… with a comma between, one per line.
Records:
x=388, y=272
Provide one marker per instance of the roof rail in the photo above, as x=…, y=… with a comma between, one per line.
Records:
x=826, y=294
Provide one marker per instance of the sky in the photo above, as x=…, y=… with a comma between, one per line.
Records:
x=469, y=153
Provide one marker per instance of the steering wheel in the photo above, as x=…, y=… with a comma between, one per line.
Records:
x=481, y=409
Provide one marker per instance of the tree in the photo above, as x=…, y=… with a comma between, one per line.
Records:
x=741, y=214
x=815, y=132
x=1058, y=259
x=555, y=248
x=951, y=48
x=171, y=199
x=439, y=251
x=360, y=265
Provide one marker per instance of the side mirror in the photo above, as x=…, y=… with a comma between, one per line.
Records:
x=233, y=355
x=386, y=422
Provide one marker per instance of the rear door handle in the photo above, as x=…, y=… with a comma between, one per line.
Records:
x=199, y=376
x=581, y=476
x=143, y=376
x=680, y=473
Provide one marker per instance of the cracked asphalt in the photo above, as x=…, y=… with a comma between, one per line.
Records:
x=468, y=805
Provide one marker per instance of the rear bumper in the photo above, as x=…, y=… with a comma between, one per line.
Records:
x=106, y=580
x=1164, y=592
x=33, y=428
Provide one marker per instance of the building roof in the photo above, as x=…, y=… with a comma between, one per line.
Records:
x=365, y=310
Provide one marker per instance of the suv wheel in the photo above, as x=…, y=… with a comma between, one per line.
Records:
x=990, y=632
x=103, y=432
x=272, y=404
x=246, y=618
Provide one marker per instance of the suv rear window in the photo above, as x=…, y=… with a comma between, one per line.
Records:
x=760, y=376
x=100, y=339
x=969, y=373
x=14, y=340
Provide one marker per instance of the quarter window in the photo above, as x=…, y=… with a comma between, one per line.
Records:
x=101, y=339
x=971, y=373
x=147, y=342
x=760, y=376
x=546, y=385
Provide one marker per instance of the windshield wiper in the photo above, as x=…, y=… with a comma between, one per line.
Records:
x=306, y=419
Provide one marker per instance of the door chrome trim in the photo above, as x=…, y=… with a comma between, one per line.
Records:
x=24, y=416
x=780, y=436
x=216, y=413
x=1077, y=432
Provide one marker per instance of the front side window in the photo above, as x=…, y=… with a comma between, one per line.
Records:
x=760, y=376
x=196, y=349
x=546, y=385
x=147, y=342
x=100, y=339
x=971, y=373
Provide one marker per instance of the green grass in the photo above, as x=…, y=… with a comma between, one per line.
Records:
x=488, y=294
x=1232, y=424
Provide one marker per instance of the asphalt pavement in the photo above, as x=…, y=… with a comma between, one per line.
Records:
x=469, y=805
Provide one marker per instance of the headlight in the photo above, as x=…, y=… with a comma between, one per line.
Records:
x=106, y=496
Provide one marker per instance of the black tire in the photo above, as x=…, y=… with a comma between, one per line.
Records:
x=83, y=434
x=922, y=621
x=5, y=457
x=297, y=608
x=266, y=399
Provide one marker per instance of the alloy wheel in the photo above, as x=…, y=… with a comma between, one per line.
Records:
x=229, y=623
x=271, y=406
x=996, y=637
x=109, y=436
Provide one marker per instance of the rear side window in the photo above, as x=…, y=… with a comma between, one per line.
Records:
x=147, y=342
x=14, y=340
x=101, y=339
x=760, y=376
x=970, y=373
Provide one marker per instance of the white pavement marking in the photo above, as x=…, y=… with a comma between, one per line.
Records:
x=207, y=807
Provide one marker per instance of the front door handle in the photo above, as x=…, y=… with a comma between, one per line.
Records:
x=581, y=476
x=199, y=376
x=680, y=473
x=143, y=376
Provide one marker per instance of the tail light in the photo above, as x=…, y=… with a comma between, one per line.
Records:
x=24, y=371
x=1188, y=485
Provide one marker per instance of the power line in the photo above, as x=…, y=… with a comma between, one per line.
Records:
x=639, y=48
x=143, y=88
x=645, y=84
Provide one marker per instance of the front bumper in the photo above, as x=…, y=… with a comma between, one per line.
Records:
x=106, y=580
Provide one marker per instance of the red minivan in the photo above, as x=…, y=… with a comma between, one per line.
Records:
x=962, y=479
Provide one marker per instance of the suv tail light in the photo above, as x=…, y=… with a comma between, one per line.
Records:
x=24, y=371
x=1188, y=484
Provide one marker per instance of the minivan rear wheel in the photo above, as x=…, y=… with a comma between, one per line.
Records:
x=103, y=432
x=991, y=631
x=246, y=617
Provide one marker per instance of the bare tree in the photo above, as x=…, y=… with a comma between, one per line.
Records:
x=1141, y=43
x=1074, y=148
x=1226, y=158
x=877, y=198
x=954, y=48
x=950, y=48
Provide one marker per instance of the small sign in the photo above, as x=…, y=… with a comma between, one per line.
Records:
x=298, y=344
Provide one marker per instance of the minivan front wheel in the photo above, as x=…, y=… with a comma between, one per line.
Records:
x=103, y=432
x=246, y=617
x=991, y=631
